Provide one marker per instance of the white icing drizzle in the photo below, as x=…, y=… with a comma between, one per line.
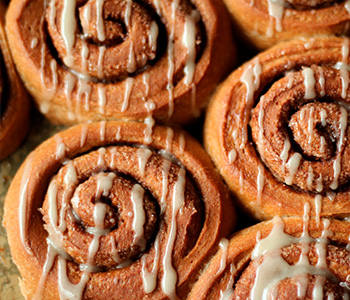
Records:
x=310, y=124
x=171, y=62
x=60, y=149
x=84, y=89
x=223, y=247
x=260, y=181
x=189, y=41
x=101, y=163
x=318, y=208
x=129, y=83
x=83, y=135
x=101, y=53
x=157, y=6
x=232, y=156
x=34, y=43
x=68, y=27
x=323, y=115
x=102, y=98
x=84, y=55
x=290, y=77
x=132, y=66
x=337, y=162
x=251, y=79
x=149, y=279
x=52, y=17
x=169, y=139
x=143, y=155
x=169, y=278
x=309, y=83
x=228, y=292
x=128, y=10
x=118, y=135
x=22, y=209
x=69, y=85
x=347, y=5
x=102, y=130
x=182, y=142
x=53, y=65
x=276, y=10
x=149, y=121
x=100, y=22
x=139, y=215
x=321, y=81
x=285, y=152
x=273, y=269
x=292, y=166
x=310, y=177
x=153, y=35
x=42, y=63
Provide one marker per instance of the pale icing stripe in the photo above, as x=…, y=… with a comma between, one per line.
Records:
x=318, y=208
x=276, y=10
x=285, y=152
x=337, y=162
x=101, y=54
x=292, y=166
x=53, y=65
x=68, y=27
x=132, y=66
x=149, y=121
x=311, y=124
x=60, y=148
x=69, y=86
x=84, y=88
x=171, y=63
x=182, y=142
x=232, y=156
x=84, y=55
x=270, y=247
x=165, y=183
x=149, y=279
x=101, y=163
x=139, y=215
x=347, y=5
x=321, y=82
x=129, y=83
x=309, y=83
x=83, y=135
x=189, y=41
x=34, y=43
x=169, y=139
x=52, y=17
x=251, y=79
x=102, y=98
x=223, y=247
x=170, y=276
x=228, y=292
x=103, y=131
x=104, y=184
x=22, y=212
x=319, y=184
x=310, y=177
x=143, y=155
x=128, y=13
x=153, y=35
x=100, y=21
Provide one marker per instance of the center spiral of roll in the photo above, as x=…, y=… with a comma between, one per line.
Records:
x=103, y=39
x=305, y=144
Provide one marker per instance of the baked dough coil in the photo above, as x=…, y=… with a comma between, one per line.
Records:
x=277, y=129
x=290, y=258
x=14, y=100
x=265, y=23
x=93, y=213
x=106, y=60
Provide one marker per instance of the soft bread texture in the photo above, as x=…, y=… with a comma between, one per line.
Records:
x=187, y=210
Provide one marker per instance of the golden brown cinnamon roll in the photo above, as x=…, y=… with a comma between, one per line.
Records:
x=95, y=214
x=277, y=129
x=14, y=100
x=267, y=22
x=286, y=258
x=103, y=60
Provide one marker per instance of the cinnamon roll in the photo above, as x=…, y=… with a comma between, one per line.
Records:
x=103, y=59
x=280, y=259
x=277, y=129
x=93, y=213
x=14, y=100
x=267, y=22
